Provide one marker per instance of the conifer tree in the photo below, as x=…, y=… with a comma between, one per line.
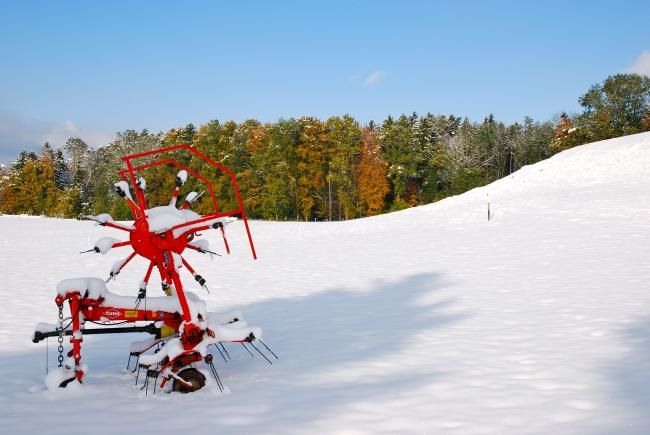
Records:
x=344, y=137
x=400, y=151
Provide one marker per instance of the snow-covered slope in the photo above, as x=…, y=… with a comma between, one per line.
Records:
x=430, y=320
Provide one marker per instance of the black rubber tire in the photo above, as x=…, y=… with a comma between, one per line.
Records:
x=191, y=375
x=67, y=381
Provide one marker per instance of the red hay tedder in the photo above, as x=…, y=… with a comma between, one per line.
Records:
x=182, y=329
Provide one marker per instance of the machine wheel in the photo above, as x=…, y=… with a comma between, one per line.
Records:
x=192, y=376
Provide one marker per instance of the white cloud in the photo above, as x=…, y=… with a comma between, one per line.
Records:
x=642, y=64
x=374, y=79
x=59, y=133
x=17, y=133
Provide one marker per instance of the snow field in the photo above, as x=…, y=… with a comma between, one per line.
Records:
x=430, y=320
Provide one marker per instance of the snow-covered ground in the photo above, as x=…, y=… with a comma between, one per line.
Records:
x=430, y=320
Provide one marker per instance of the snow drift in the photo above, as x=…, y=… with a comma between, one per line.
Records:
x=430, y=320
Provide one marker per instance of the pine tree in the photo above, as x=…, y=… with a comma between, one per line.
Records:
x=279, y=167
x=343, y=135
x=400, y=151
x=76, y=150
x=23, y=157
x=427, y=139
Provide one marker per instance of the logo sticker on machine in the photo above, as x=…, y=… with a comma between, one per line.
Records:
x=111, y=314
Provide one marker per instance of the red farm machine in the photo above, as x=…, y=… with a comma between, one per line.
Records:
x=183, y=332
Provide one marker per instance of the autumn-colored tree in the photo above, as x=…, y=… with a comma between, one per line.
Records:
x=47, y=190
x=566, y=134
x=8, y=197
x=308, y=168
x=35, y=187
x=312, y=153
x=68, y=203
x=373, y=174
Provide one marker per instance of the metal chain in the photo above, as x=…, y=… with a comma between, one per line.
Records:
x=59, y=328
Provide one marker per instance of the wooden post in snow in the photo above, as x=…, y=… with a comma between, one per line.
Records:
x=488, y=206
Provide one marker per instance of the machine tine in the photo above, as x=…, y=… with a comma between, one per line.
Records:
x=137, y=362
x=216, y=377
x=209, y=361
x=258, y=351
x=221, y=353
x=247, y=350
x=169, y=322
x=151, y=373
x=225, y=351
x=268, y=348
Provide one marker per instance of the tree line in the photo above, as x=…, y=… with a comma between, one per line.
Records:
x=333, y=169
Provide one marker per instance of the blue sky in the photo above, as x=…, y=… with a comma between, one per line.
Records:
x=96, y=67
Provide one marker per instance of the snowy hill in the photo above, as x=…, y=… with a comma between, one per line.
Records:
x=430, y=320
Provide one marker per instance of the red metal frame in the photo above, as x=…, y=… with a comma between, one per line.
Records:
x=140, y=196
x=159, y=248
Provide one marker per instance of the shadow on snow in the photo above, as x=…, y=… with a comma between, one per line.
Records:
x=630, y=378
x=337, y=348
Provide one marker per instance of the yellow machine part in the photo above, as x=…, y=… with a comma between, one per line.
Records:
x=166, y=331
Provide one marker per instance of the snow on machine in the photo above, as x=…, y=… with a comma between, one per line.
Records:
x=183, y=331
